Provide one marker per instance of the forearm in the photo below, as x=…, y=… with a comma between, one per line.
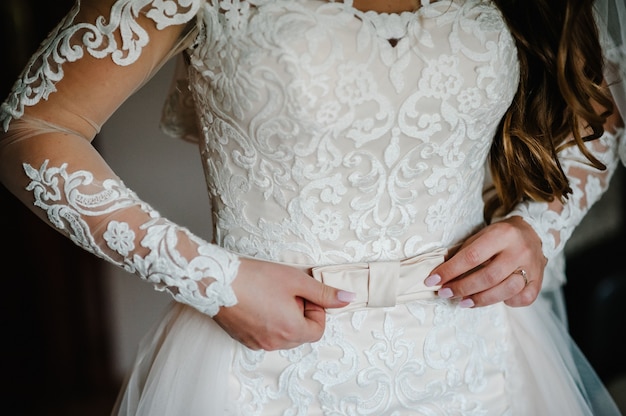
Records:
x=85, y=201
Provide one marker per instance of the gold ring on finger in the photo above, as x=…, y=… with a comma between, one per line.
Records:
x=524, y=275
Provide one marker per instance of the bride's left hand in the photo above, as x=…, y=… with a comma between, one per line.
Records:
x=502, y=262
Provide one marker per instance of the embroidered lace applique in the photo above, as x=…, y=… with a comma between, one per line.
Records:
x=74, y=201
x=71, y=40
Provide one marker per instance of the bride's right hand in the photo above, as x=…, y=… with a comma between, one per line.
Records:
x=278, y=307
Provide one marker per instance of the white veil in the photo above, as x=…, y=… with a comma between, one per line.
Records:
x=611, y=18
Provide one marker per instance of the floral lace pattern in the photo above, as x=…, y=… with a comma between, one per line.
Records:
x=588, y=185
x=360, y=149
x=423, y=357
x=70, y=198
x=71, y=40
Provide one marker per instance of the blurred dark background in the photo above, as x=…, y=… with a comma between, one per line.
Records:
x=57, y=357
x=56, y=344
x=595, y=292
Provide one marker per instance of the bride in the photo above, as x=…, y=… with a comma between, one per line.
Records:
x=358, y=268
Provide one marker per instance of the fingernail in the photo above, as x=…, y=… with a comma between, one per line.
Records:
x=345, y=296
x=445, y=293
x=466, y=303
x=432, y=280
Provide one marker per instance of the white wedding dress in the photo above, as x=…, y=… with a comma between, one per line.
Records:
x=353, y=143
x=348, y=137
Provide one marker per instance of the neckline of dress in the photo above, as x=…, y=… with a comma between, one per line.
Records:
x=392, y=27
x=423, y=4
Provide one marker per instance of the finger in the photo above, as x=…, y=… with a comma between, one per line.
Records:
x=315, y=322
x=527, y=295
x=508, y=288
x=464, y=261
x=524, y=298
x=489, y=275
x=513, y=291
x=324, y=295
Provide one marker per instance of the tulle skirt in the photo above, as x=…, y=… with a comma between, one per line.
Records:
x=423, y=357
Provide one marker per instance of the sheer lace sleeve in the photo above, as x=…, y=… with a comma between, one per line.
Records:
x=96, y=57
x=555, y=222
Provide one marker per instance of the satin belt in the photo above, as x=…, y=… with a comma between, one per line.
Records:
x=382, y=284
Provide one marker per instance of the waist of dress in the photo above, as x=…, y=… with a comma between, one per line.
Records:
x=380, y=284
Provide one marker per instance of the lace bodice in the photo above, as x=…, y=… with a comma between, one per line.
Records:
x=332, y=135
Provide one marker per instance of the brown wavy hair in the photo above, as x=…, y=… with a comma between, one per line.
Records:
x=561, y=81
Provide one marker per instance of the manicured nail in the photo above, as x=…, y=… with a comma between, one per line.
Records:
x=445, y=293
x=345, y=296
x=432, y=280
x=466, y=303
